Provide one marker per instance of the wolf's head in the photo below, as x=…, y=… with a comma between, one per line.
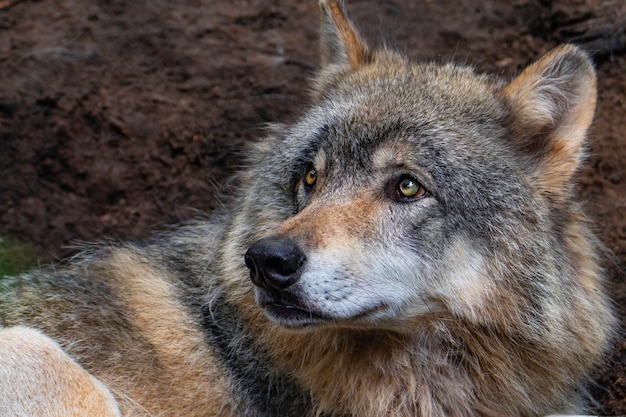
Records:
x=416, y=190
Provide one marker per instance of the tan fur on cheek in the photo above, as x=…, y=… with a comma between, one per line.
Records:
x=38, y=379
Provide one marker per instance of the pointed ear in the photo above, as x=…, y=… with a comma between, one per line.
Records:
x=341, y=46
x=553, y=103
x=340, y=42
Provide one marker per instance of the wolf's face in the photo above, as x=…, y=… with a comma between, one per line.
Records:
x=413, y=190
x=393, y=190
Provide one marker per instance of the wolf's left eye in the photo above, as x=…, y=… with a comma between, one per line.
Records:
x=311, y=176
x=407, y=188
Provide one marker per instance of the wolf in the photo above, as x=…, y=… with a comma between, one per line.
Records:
x=410, y=246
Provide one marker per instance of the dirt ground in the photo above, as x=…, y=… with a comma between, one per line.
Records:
x=118, y=117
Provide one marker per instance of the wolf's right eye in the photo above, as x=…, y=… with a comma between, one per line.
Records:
x=310, y=177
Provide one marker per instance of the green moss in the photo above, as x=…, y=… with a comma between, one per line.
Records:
x=16, y=256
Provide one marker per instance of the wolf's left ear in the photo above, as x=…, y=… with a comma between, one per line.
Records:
x=341, y=46
x=553, y=102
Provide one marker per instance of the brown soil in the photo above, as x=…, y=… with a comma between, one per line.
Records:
x=117, y=117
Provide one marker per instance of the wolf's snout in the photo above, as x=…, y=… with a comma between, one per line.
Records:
x=274, y=262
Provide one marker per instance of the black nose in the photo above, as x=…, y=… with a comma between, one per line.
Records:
x=274, y=262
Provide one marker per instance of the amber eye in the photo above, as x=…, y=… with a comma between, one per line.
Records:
x=310, y=177
x=409, y=188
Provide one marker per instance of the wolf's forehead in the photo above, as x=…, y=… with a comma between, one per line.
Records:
x=356, y=141
x=420, y=113
x=381, y=105
x=388, y=135
x=421, y=90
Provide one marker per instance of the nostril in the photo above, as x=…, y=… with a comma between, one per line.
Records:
x=274, y=262
x=255, y=276
x=248, y=261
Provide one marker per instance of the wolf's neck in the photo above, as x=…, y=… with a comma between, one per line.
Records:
x=433, y=372
x=366, y=373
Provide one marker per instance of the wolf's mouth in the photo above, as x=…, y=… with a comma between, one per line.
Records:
x=291, y=315
x=289, y=311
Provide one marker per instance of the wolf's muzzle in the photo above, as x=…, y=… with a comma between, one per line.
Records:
x=275, y=263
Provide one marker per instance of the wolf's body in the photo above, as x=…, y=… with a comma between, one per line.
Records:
x=414, y=246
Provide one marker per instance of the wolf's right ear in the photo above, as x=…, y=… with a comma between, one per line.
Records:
x=342, y=48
